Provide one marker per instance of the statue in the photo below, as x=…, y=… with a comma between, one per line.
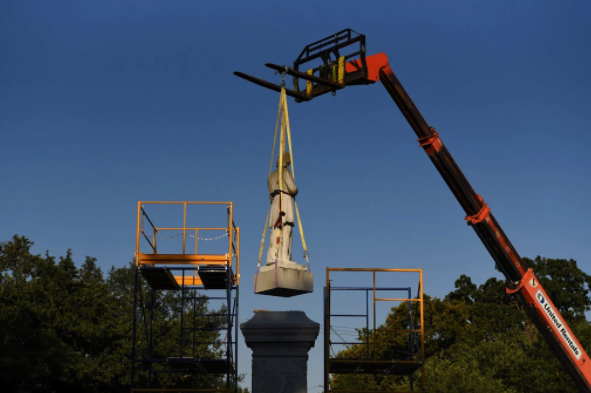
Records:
x=282, y=215
x=281, y=276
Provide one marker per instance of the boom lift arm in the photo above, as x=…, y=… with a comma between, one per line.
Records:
x=522, y=281
x=336, y=73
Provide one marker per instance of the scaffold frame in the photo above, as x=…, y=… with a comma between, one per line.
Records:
x=371, y=364
x=192, y=274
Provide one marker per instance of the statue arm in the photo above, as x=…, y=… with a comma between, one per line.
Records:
x=290, y=185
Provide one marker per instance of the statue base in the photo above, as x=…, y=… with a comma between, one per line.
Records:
x=280, y=341
x=283, y=282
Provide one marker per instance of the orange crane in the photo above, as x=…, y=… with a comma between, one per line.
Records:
x=339, y=70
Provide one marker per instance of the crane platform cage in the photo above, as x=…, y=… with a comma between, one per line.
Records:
x=180, y=343
x=390, y=354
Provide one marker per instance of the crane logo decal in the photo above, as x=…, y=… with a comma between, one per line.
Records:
x=559, y=325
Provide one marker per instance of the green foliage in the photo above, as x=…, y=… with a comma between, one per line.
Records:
x=479, y=339
x=64, y=328
x=566, y=284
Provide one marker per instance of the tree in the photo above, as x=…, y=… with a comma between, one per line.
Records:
x=64, y=328
x=566, y=284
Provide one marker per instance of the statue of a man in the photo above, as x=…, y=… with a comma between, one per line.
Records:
x=281, y=216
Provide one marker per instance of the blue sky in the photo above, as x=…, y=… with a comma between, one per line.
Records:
x=104, y=103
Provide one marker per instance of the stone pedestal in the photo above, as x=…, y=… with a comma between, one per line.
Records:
x=280, y=341
x=283, y=282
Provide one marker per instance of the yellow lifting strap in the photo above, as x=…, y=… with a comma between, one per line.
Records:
x=301, y=228
x=278, y=230
x=309, y=84
x=282, y=113
x=342, y=70
x=270, y=169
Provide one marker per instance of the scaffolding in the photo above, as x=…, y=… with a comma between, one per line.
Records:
x=369, y=361
x=198, y=357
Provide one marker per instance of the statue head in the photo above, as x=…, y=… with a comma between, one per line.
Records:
x=286, y=160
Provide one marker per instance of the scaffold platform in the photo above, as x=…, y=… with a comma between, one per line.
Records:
x=368, y=366
x=204, y=366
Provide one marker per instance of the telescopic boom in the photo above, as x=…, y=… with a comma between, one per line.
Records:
x=338, y=71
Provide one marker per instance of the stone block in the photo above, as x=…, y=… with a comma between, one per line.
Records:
x=283, y=282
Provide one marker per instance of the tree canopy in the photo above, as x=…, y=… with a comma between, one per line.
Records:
x=479, y=339
x=67, y=328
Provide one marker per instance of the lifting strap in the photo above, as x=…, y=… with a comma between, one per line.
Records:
x=270, y=202
x=301, y=228
x=282, y=113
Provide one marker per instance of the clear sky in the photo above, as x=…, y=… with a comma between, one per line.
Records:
x=104, y=103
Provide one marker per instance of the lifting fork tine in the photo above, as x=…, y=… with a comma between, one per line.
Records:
x=271, y=86
x=307, y=77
